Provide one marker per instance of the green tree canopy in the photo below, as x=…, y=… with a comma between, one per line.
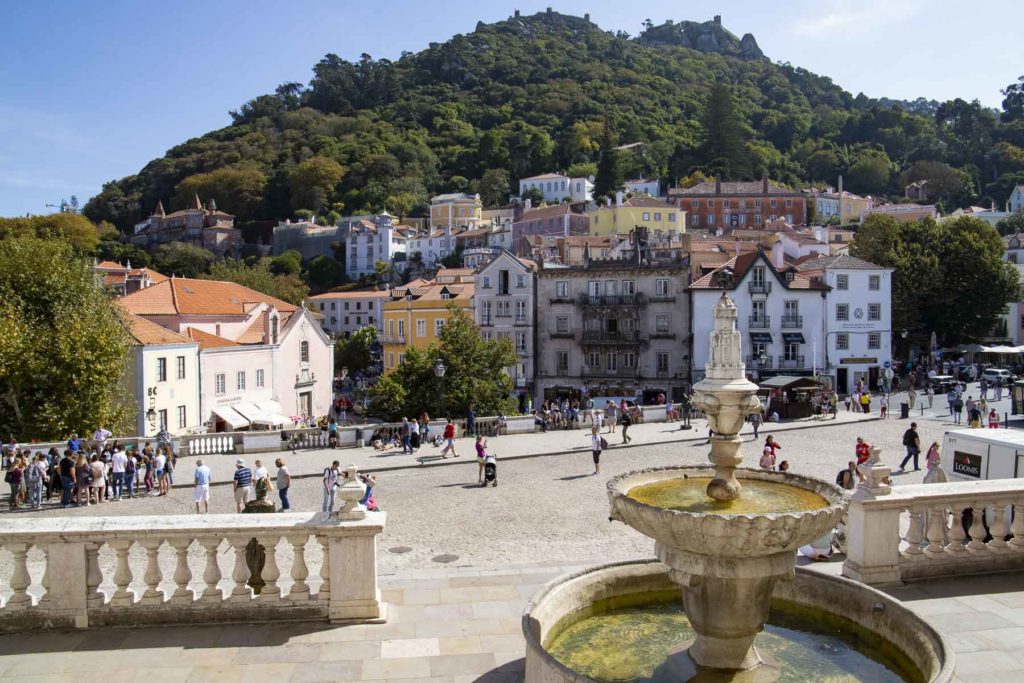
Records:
x=949, y=277
x=354, y=353
x=610, y=176
x=324, y=272
x=1011, y=224
x=313, y=181
x=723, y=149
x=181, y=259
x=238, y=190
x=495, y=187
x=258, y=276
x=64, y=347
x=75, y=229
x=288, y=263
x=475, y=375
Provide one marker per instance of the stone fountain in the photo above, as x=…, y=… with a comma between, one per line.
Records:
x=725, y=536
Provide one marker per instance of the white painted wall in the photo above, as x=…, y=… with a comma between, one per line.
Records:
x=169, y=394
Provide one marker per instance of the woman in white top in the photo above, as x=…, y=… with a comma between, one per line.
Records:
x=595, y=446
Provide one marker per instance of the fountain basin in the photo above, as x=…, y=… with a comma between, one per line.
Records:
x=920, y=652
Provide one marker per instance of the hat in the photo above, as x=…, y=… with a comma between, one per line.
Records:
x=239, y=463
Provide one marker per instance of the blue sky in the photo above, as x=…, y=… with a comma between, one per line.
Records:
x=91, y=91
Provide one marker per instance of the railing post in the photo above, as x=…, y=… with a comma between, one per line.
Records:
x=873, y=531
x=68, y=575
x=353, y=568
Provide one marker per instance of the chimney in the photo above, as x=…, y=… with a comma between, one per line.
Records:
x=618, y=198
x=778, y=256
x=764, y=184
x=718, y=185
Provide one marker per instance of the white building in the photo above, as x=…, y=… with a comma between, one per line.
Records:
x=345, y=312
x=781, y=316
x=262, y=361
x=650, y=186
x=557, y=187
x=858, y=322
x=163, y=378
x=1016, y=203
x=432, y=244
x=504, y=307
x=373, y=241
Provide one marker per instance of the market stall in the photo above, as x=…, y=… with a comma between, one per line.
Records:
x=792, y=397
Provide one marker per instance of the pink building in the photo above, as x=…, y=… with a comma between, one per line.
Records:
x=560, y=220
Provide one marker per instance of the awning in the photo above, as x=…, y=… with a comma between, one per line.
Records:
x=254, y=414
x=793, y=337
x=272, y=409
x=231, y=417
x=761, y=337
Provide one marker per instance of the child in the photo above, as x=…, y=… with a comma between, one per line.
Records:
x=883, y=406
x=993, y=419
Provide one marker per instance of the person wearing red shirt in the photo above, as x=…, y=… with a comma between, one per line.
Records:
x=449, y=438
x=863, y=450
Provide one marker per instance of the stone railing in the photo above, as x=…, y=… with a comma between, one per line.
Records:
x=922, y=531
x=86, y=571
x=209, y=444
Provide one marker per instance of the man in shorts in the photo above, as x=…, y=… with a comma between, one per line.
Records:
x=202, y=480
x=242, y=484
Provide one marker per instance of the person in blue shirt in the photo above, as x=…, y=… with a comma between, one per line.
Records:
x=74, y=443
x=242, y=484
x=202, y=480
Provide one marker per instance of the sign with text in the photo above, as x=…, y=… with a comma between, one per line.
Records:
x=967, y=464
x=858, y=361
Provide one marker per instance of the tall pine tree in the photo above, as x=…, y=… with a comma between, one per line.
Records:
x=723, y=150
x=609, y=169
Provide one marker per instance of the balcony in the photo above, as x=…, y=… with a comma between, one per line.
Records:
x=763, y=287
x=611, y=300
x=759, y=322
x=792, y=322
x=794, y=363
x=521, y=321
x=754, y=363
x=663, y=334
x=601, y=337
x=600, y=373
x=563, y=334
x=393, y=339
x=665, y=298
x=562, y=300
x=486, y=321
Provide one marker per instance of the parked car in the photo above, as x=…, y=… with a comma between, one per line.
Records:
x=942, y=383
x=992, y=374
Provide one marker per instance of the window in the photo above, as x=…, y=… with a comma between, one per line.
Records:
x=842, y=281
x=611, y=362
x=628, y=287
x=346, y=320
x=875, y=340
x=334, y=320
x=520, y=281
x=163, y=419
x=359, y=305
x=661, y=287
x=710, y=219
x=562, y=324
x=304, y=352
x=240, y=380
x=694, y=219
x=181, y=367
x=874, y=282
x=401, y=328
x=647, y=215
x=792, y=351
x=359, y=320
x=562, y=361
x=773, y=203
x=726, y=204
x=842, y=341
x=662, y=362
x=629, y=360
x=842, y=311
x=791, y=308
x=391, y=359
x=220, y=384
x=487, y=282
x=711, y=203
x=438, y=325
x=521, y=342
x=520, y=311
x=757, y=203
x=260, y=383
x=594, y=360
x=789, y=203
x=421, y=324
x=661, y=323
x=161, y=369
x=874, y=311
x=671, y=217
x=562, y=289
x=182, y=417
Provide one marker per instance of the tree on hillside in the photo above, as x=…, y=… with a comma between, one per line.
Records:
x=75, y=229
x=1013, y=101
x=945, y=183
x=610, y=177
x=495, y=187
x=288, y=263
x=183, y=260
x=258, y=276
x=324, y=272
x=949, y=277
x=723, y=149
x=312, y=182
x=355, y=353
x=475, y=376
x=1013, y=223
x=238, y=190
x=870, y=173
x=64, y=348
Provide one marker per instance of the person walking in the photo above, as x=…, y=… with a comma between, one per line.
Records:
x=626, y=421
x=883, y=406
x=912, y=440
x=756, y=420
x=284, y=481
x=993, y=419
x=911, y=397
x=168, y=476
x=13, y=477
x=131, y=470
x=957, y=409
x=118, y=466
x=929, y=393
x=35, y=477
x=405, y=432
x=241, y=484
x=202, y=478
x=449, y=439
x=611, y=412
x=865, y=402
x=330, y=484
x=481, y=455
x=471, y=421
x=597, y=444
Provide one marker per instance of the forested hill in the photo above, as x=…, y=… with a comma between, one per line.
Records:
x=533, y=94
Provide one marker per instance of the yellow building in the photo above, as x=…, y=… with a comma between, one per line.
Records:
x=416, y=312
x=624, y=215
x=457, y=210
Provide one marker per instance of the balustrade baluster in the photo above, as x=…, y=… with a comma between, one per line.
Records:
x=20, y=578
x=936, y=533
x=1017, y=528
x=211, y=573
x=241, y=592
x=152, y=595
x=956, y=533
x=45, y=600
x=300, y=589
x=915, y=534
x=998, y=527
x=977, y=530
x=122, y=575
x=271, y=572
x=94, y=576
x=324, y=594
x=182, y=573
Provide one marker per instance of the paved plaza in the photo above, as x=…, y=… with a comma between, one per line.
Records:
x=458, y=562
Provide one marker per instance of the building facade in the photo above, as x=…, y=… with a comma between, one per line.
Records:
x=456, y=210
x=346, y=312
x=560, y=220
x=648, y=186
x=124, y=279
x=781, y=316
x=612, y=328
x=718, y=204
x=830, y=206
x=370, y=241
x=202, y=227
x=662, y=219
x=858, y=318
x=556, y=188
x=415, y=314
x=1016, y=202
x=904, y=213
x=433, y=244
x=504, y=306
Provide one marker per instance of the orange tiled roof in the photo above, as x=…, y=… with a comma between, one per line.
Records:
x=207, y=340
x=185, y=296
x=254, y=334
x=149, y=333
x=110, y=265
x=358, y=294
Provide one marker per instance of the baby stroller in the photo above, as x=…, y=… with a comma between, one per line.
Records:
x=490, y=470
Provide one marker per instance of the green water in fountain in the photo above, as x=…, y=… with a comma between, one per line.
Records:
x=648, y=643
x=758, y=496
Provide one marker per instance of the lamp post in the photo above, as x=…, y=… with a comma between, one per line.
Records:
x=439, y=370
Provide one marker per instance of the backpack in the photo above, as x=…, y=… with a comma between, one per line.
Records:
x=8, y=477
x=33, y=473
x=839, y=477
x=604, y=444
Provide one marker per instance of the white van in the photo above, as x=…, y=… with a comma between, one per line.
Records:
x=975, y=454
x=992, y=374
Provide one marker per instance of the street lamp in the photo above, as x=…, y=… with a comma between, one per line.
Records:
x=439, y=370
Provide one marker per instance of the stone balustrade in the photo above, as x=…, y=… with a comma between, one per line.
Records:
x=187, y=569
x=922, y=531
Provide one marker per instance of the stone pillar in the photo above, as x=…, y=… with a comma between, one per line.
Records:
x=353, y=570
x=873, y=531
x=68, y=569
